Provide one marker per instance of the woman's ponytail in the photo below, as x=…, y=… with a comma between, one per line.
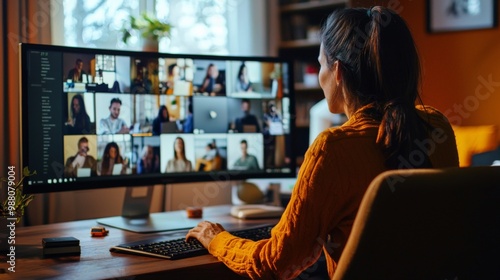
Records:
x=397, y=89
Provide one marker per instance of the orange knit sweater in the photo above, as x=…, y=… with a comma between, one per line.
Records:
x=337, y=169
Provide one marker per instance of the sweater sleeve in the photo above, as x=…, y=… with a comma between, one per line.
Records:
x=298, y=238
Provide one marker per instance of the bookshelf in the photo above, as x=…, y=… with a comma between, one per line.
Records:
x=299, y=25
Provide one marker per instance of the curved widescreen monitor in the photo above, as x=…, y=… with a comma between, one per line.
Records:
x=95, y=118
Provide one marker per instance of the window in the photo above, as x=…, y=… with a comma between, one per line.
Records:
x=201, y=26
x=236, y=27
x=105, y=68
x=93, y=23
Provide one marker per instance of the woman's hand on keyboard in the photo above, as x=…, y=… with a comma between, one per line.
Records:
x=205, y=231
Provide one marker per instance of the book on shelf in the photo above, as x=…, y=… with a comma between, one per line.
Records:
x=286, y=31
x=298, y=25
x=302, y=112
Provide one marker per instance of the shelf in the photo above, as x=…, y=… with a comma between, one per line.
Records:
x=300, y=87
x=311, y=5
x=300, y=22
x=295, y=44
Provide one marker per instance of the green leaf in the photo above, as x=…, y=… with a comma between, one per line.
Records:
x=148, y=26
x=21, y=200
x=27, y=172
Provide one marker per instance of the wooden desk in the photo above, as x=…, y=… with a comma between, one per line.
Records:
x=97, y=262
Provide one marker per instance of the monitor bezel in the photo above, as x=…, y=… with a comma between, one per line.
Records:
x=145, y=179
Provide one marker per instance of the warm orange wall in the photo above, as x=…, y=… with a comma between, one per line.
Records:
x=452, y=63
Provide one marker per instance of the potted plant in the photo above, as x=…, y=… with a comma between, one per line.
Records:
x=16, y=202
x=150, y=29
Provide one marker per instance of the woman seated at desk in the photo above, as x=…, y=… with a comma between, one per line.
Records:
x=161, y=119
x=375, y=82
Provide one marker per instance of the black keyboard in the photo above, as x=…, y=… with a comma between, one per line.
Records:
x=174, y=249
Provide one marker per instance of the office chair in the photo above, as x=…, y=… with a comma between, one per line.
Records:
x=427, y=224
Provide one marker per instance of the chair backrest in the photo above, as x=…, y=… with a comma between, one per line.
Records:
x=427, y=224
x=486, y=158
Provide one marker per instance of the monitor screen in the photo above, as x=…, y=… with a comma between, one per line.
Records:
x=94, y=118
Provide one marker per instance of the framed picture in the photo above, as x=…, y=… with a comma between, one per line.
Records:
x=458, y=15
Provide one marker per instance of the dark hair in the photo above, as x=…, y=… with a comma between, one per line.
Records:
x=115, y=100
x=105, y=156
x=183, y=148
x=82, y=140
x=244, y=142
x=160, y=114
x=171, y=68
x=379, y=65
x=270, y=106
x=82, y=116
x=78, y=61
x=207, y=76
x=240, y=71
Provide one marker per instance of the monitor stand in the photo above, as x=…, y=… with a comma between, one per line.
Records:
x=136, y=217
